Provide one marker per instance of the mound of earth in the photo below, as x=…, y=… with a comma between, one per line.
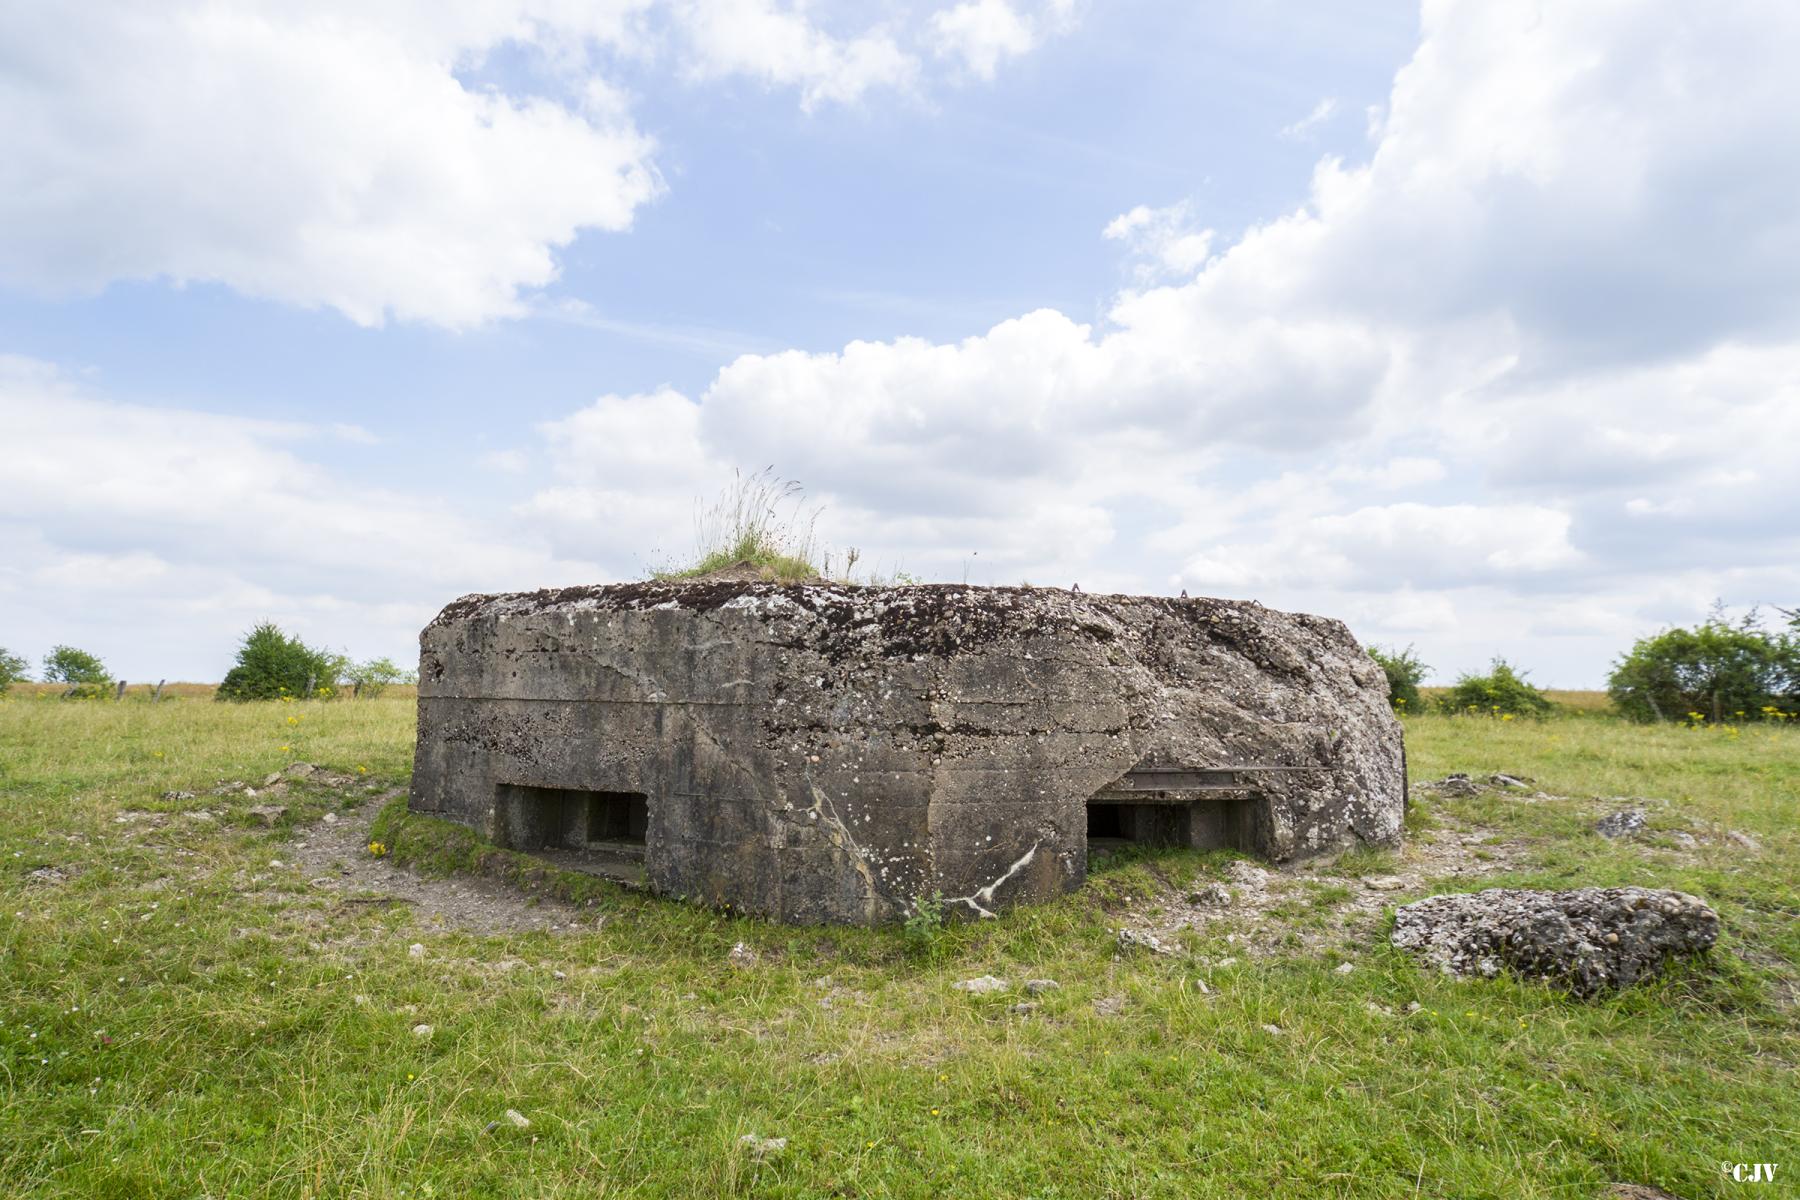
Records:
x=1588, y=940
x=745, y=571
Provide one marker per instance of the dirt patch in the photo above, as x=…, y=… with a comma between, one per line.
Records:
x=334, y=855
x=1262, y=910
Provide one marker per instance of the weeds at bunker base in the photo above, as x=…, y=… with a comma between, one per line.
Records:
x=831, y=753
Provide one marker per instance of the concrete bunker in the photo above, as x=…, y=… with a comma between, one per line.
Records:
x=833, y=753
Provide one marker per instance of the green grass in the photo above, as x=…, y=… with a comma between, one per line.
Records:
x=179, y=1019
x=753, y=549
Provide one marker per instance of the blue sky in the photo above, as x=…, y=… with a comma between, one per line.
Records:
x=1471, y=325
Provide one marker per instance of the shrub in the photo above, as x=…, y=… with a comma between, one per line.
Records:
x=1719, y=670
x=86, y=674
x=13, y=669
x=1405, y=672
x=271, y=665
x=374, y=676
x=925, y=924
x=1501, y=692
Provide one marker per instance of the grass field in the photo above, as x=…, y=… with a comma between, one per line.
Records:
x=179, y=1017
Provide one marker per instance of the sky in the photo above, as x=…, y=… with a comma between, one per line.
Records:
x=1475, y=325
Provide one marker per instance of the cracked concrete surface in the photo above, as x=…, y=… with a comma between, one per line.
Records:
x=828, y=753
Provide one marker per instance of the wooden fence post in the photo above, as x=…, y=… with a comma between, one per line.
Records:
x=120, y=694
x=157, y=694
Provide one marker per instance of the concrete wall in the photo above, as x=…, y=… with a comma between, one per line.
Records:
x=832, y=753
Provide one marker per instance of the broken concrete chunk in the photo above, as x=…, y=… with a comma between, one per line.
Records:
x=1621, y=824
x=1587, y=941
x=762, y=1147
x=1213, y=895
x=1246, y=874
x=1134, y=939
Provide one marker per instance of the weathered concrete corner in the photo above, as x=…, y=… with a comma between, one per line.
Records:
x=831, y=753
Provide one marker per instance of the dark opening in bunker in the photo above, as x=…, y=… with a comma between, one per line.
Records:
x=1209, y=822
x=597, y=831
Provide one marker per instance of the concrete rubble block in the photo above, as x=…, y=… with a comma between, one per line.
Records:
x=832, y=753
x=1587, y=940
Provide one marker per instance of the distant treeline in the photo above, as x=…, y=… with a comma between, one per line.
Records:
x=1719, y=672
x=270, y=665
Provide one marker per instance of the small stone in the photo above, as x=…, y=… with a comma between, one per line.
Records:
x=1455, y=785
x=359, y=999
x=559, y=975
x=763, y=1147
x=1022, y=1009
x=271, y=779
x=741, y=956
x=1414, y=1006
x=1740, y=838
x=1499, y=779
x=1383, y=883
x=1621, y=824
x=1037, y=987
x=300, y=770
x=268, y=814
x=1344, y=968
x=1246, y=874
x=981, y=985
x=276, y=863
x=423, y=1031
x=331, y=818
x=47, y=875
x=1274, y=1030
x=1131, y=939
x=1686, y=841
x=416, y=950
x=178, y=795
x=519, y=1120
x=1213, y=895
x=1109, y=1006
x=1380, y=1010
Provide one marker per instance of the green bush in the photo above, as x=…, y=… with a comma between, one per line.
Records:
x=1405, y=672
x=13, y=669
x=376, y=675
x=271, y=665
x=1501, y=692
x=1719, y=671
x=87, y=675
